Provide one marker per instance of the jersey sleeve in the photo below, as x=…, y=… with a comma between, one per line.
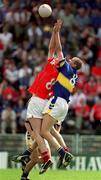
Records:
x=61, y=62
x=58, y=63
x=50, y=59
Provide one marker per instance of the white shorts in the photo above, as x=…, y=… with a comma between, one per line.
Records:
x=35, y=107
x=57, y=108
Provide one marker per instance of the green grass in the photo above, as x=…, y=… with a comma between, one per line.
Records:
x=14, y=174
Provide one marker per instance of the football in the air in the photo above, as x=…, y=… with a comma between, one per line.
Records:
x=45, y=10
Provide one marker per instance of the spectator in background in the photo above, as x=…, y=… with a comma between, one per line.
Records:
x=95, y=19
x=99, y=33
x=1, y=52
x=76, y=98
x=6, y=37
x=98, y=85
x=96, y=69
x=85, y=69
x=8, y=119
x=82, y=115
x=35, y=73
x=95, y=114
x=58, y=10
x=93, y=43
x=22, y=121
x=86, y=54
x=34, y=32
x=82, y=80
x=90, y=87
x=11, y=73
x=73, y=37
x=82, y=19
x=84, y=35
x=68, y=17
x=24, y=76
x=20, y=109
x=25, y=16
x=8, y=92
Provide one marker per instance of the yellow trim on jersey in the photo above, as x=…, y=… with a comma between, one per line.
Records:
x=65, y=82
x=62, y=63
x=48, y=111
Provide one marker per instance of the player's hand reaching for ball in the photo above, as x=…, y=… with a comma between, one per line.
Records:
x=57, y=26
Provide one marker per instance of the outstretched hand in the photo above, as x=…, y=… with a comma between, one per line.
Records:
x=57, y=26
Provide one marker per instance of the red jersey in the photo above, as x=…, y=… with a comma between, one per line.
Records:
x=97, y=111
x=42, y=86
x=90, y=89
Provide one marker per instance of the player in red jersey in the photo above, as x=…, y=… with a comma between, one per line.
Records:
x=41, y=90
x=42, y=86
x=36, y=105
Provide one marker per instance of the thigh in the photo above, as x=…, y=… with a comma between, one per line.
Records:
x=33, y=124
x=57, y=126
x=47, y=123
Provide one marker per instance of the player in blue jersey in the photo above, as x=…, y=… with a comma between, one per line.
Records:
x=57, y=107
x=61, y=142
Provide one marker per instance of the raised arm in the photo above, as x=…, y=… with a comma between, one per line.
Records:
x=58, y=41
x=52, y=44
x=55, y=43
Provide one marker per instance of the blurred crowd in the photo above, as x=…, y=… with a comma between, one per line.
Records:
x=24, y=39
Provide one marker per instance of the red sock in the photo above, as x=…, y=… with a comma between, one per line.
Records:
x=66, y=149
x=45, y=156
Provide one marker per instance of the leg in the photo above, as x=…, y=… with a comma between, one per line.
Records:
x=3, y=126
x=35, y=125
x=13, y=126
x=25, y=156
x=47, y=125
x=34, y=159
x=59, y=138
x=35, y=135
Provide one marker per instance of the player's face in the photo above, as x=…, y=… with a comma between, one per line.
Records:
x=71, y=62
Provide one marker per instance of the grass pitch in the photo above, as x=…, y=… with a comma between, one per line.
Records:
x=14, y=174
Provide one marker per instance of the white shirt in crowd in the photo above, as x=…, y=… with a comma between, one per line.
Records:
x=11, y=75
x=6, y=38
x=24, y=72
x=76, y=99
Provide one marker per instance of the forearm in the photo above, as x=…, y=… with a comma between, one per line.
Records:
x=52, y=45
x=58, y=45
x=52, y=41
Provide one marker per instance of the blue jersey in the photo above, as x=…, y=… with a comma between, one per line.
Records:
x=65, y=81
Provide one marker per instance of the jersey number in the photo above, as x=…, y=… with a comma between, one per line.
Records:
x=73, y=79
x=50, y=84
